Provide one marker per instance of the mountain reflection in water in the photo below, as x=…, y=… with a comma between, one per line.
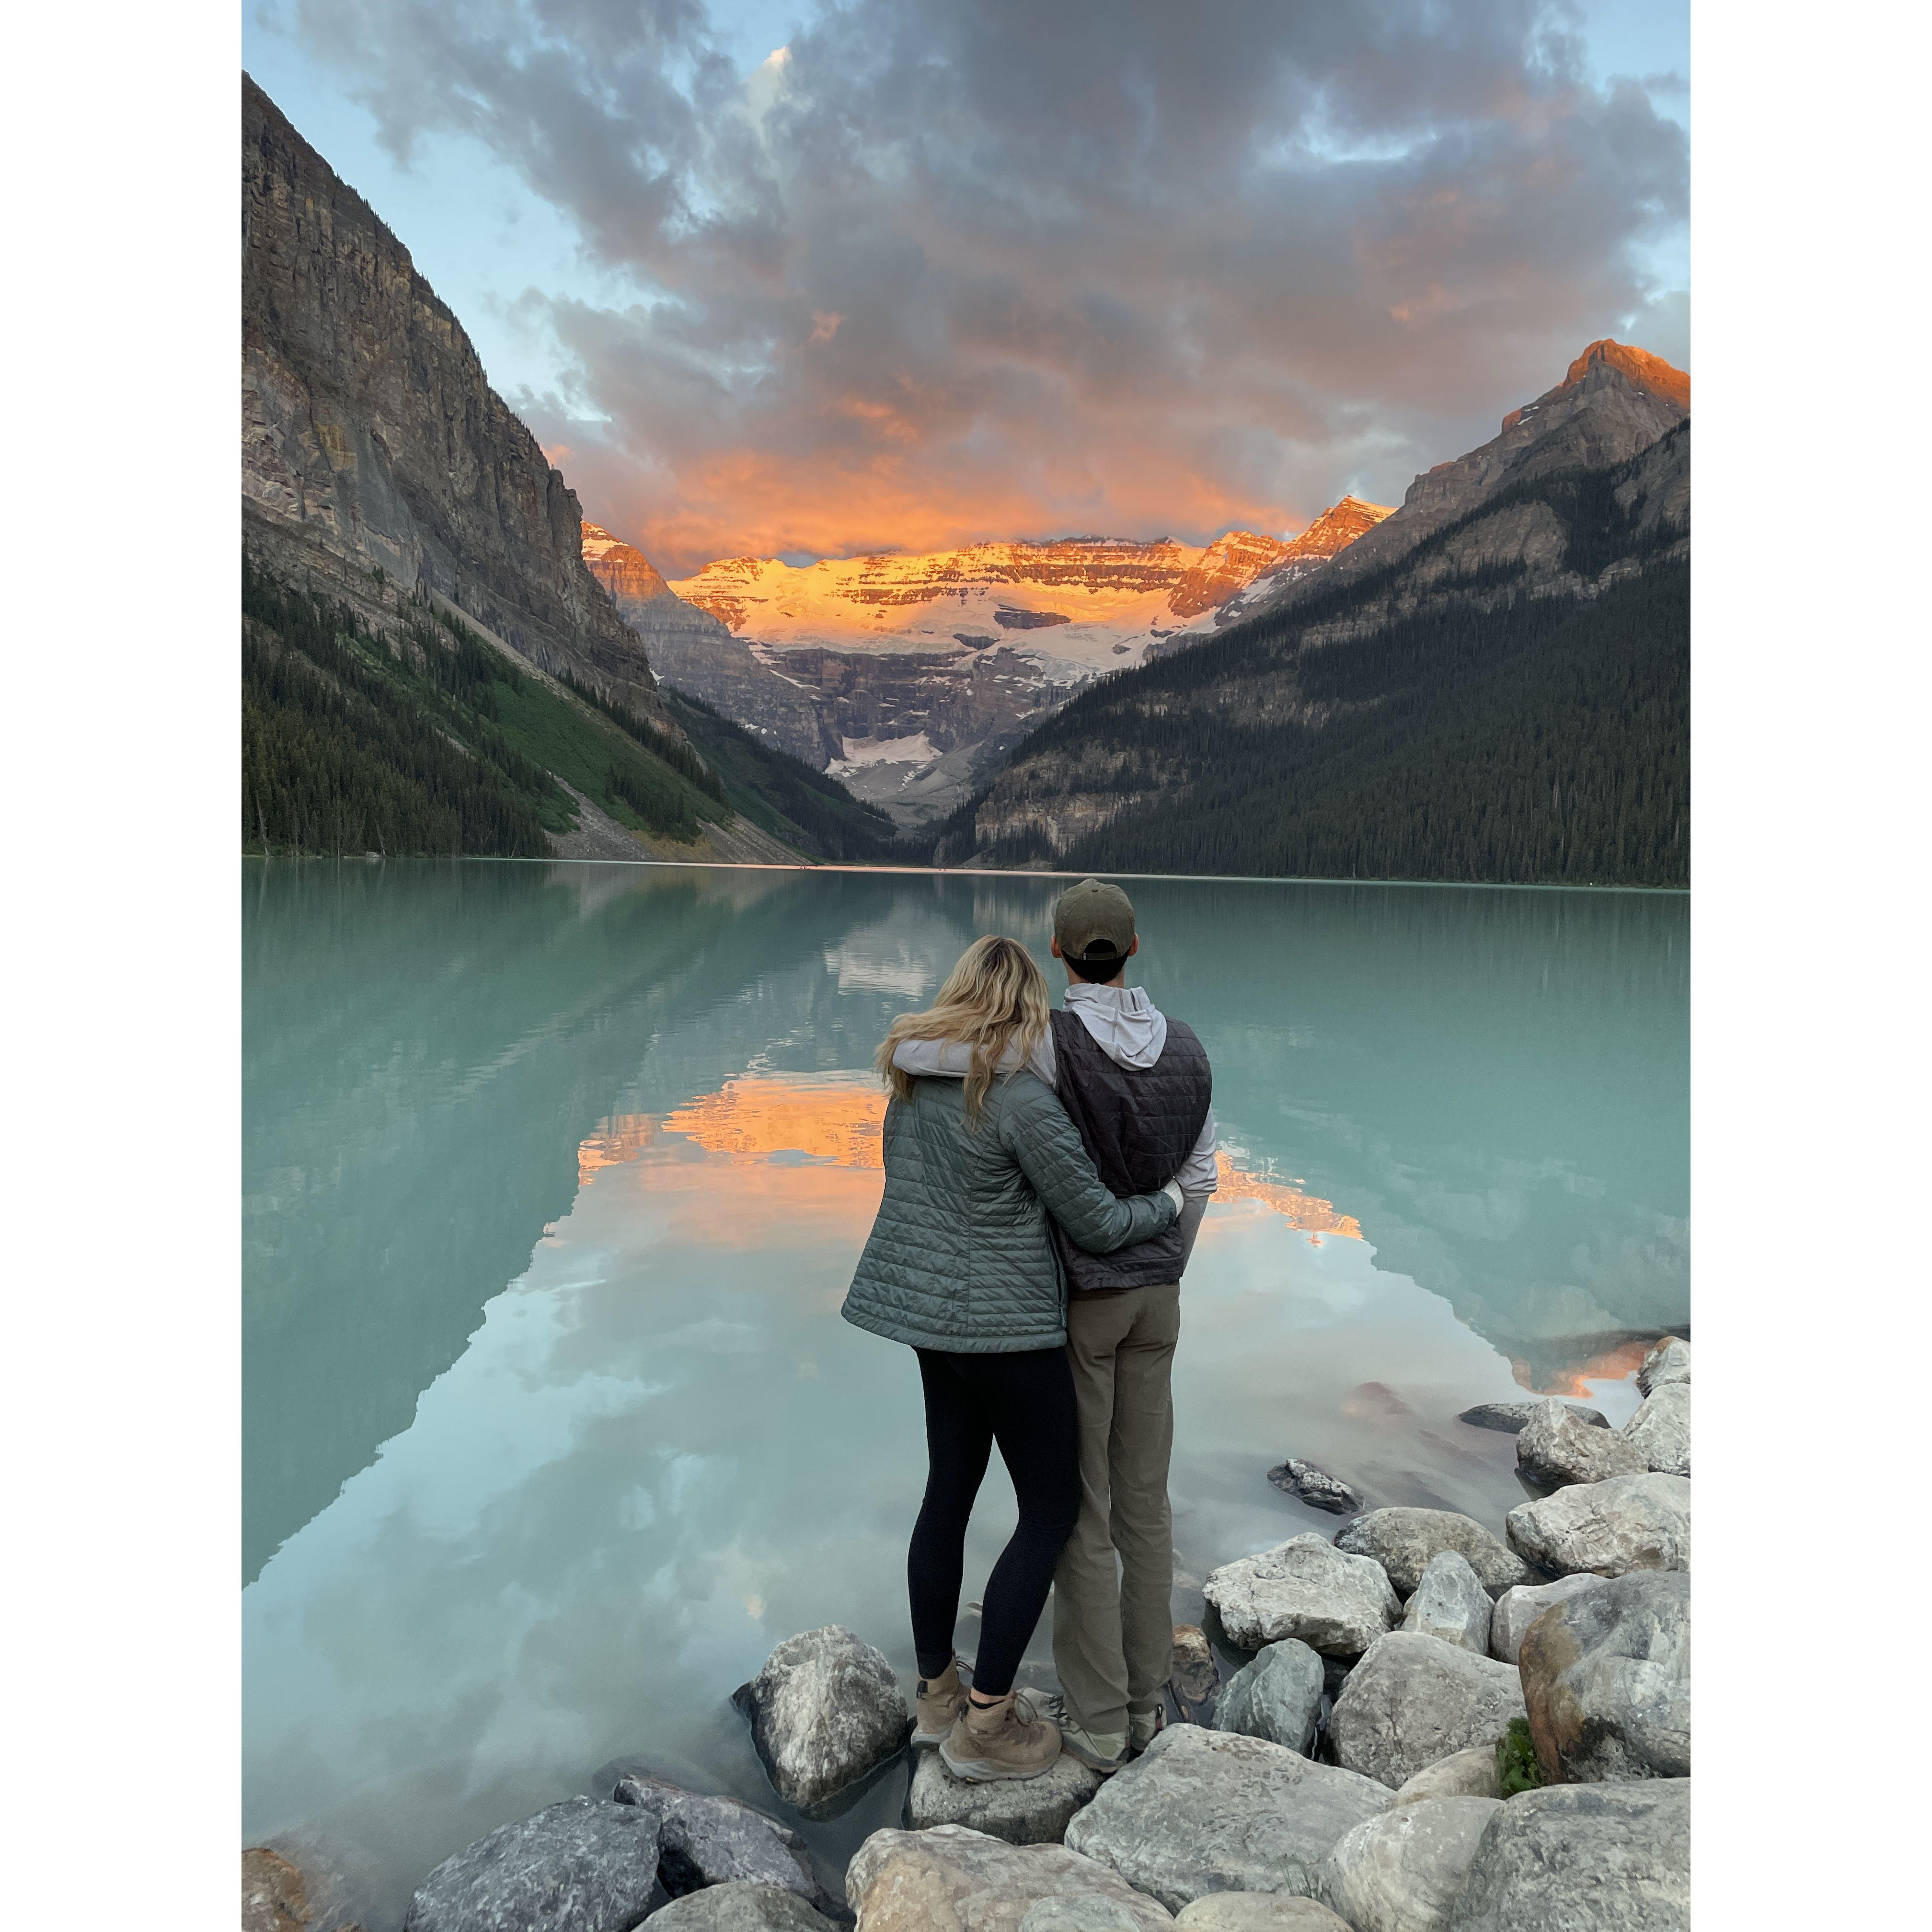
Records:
x=554, y=1178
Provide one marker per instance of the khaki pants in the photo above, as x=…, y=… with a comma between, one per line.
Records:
x=1113, y=1625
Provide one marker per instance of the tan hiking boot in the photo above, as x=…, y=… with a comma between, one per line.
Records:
x=1103, y=1751
x=940, y=1701
x=1002, y=1740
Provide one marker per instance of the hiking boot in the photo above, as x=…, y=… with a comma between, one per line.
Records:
x=940, y=1701
x=1003, y=1740
x=1103, y=1751
x=1144, y=1726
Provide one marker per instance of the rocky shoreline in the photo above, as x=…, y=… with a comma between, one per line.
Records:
x=1433, y=1730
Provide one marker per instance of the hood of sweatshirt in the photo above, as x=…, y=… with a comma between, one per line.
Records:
x=1126, y=1024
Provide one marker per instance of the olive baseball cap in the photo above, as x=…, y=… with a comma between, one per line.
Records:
x=1094, y=920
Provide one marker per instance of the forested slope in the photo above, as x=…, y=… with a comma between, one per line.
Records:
x=421, y=738
x=1509, y=703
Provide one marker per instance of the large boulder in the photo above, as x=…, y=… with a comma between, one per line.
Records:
x=1473, y=1773
x=1401, y=1872
x=1414, y=1699
x=1629, y=1522
x=1556, y=1448
x=826, y=1710
x=1583, y=1858
x=1403, y=1540
x=714, y=1841
x=1023, y=1811
x=1335, y=1602
x=1203, y=1811
x=1259, y=1912
x=1669, y=1362
x=740, y=1906
x=1316, y=1487
x=1278, y=1697
x=1517, y=1609
x=950, y=1880
x=1510, y=1417
x=1606, y=1678
x=584, y=1865
x=1659, y=1431
x=1450, y=1602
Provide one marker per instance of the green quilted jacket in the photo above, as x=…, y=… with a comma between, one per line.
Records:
x=960, y=1257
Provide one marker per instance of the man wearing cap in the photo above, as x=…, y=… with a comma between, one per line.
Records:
x=1138, y=1087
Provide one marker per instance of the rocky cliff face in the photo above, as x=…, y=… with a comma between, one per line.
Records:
x=1614, y=402
x=371, y=437
x=694, y=652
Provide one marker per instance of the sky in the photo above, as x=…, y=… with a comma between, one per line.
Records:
x=788, y=278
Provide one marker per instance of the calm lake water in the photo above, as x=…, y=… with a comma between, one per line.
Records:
x=554, y=1179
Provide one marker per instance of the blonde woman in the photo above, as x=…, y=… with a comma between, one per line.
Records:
x=961, y=1267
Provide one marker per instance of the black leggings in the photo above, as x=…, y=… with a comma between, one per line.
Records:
x=1024, y=1401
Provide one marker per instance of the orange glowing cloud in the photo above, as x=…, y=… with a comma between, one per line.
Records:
x=1613, y=1365
x=1309, y=1212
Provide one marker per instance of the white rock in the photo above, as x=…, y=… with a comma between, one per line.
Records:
x=1463, y=1773
x=1401, y=1872
x=1450, y=1602
x=1557, y=1446
x=1413, y=1700
x=1659, y=1431
x=950, y=1880
x=1629, y=1522
x=1517, y=1609
x=1669, y=1362
x=1259, y=1912
x=1306, y=1588
x=1204, y=1811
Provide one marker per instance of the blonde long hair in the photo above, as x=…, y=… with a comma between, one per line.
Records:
x=995, y=998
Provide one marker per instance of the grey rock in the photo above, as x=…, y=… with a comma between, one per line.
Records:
x=1403, y=1540
x=584, y=1865
x=1259, y=1912
x=1401, y=1872
x=1335, y=1602
x=1606, y=1678
x=1023, y=1811
x=1629, y=1522
x=1450, y=1602
x=1517, y=1609
x=1315, y=1487
x=950, y=1880
x=1555, y=1447
x=713, y=1841
x=826, y=1710
x=1413, y=1700
x=1510, y=1417
x=740, y=1906
x=1464, y=1773
x=1659, y=1431
x=1668, y=1363
x=1278, y=1697
x=1204, y=1811
x=1583, y=1858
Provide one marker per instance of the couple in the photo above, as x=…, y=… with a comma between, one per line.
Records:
x=1045, y=1175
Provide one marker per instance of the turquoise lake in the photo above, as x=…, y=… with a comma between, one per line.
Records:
x=554, y=1176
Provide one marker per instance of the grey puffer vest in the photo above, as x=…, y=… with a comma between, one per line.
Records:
x=961, y=1258
x=1137, y=1124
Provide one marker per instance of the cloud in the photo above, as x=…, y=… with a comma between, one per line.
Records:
x=941, y=269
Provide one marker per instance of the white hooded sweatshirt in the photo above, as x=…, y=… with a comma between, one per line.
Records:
x=1128, y=1027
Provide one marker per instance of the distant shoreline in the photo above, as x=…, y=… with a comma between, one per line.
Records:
x=969, y=872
